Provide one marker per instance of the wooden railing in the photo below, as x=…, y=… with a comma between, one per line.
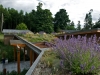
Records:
x=36, y=50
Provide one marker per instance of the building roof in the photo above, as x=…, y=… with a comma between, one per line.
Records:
x=14, y=31
x=81, y=32
x=69, y=31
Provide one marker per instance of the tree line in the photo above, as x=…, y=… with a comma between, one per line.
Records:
x=42, y=20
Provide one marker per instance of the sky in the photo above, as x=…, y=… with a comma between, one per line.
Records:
x=76, y=9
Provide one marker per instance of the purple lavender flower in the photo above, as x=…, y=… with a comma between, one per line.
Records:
x=92, y=68
x=61, y=64
x=78, y=52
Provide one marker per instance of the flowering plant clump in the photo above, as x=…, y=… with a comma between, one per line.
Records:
x=79, y=56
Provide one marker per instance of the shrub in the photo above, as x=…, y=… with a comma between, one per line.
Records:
x=79, y=56
x=6, y=51
x=21, y=26
x=15, y=73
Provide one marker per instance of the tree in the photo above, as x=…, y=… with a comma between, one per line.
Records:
x=12, y=19
x=70, y=26
x=61, y=20
x=97, y=24
x=78, y=26
x=32, y=20
x=88, y=20
x=21, y=26
x=1, y=26
x=20, y=16
x=44, y=20
x=39, y=7
x=1, y=17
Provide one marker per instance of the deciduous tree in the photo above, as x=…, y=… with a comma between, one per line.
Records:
x=61, y=20
x=44, y=20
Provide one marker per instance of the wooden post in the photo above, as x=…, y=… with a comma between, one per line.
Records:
x=35, y=56
x=30, y=57
x=24, y=53
x=18, y=61
x=14, y=53
x=4, y=71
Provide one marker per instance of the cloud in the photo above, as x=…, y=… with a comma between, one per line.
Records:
x=76, y=9
x=26, y=5
x=96, y=15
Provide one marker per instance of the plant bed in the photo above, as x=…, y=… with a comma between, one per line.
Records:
x=35, y=38
x=75, y=56
x=41, y=44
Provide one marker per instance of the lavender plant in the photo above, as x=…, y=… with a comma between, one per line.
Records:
x=79, y=56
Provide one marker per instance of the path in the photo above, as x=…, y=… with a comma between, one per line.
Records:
x=13, y=66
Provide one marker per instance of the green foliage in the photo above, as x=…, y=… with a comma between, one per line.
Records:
x=6, y=51
x=79, y=56
x=78, y=26
x=70, y=26
x=61, y=20
x=44, y=20
x=41, y=19
x=39, y=37
x=48, y=58
x=15, y=73
x=97, y=24
x=21, y=26
x=30, y=21
x=88, y=20
x=1, y=36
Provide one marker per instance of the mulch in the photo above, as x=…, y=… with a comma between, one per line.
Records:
x=41, y=45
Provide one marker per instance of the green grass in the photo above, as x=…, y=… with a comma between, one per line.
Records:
x=1, y=35
x=38, y=37
x=51, y=60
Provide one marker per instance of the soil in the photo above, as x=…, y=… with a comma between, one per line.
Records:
x=41, y=45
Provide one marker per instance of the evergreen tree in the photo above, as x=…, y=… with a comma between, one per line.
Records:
x=97, y=24
x=78, y=26
x=88, y=20
x=71, y=26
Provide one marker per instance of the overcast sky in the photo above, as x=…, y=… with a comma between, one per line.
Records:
x=76, y=9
